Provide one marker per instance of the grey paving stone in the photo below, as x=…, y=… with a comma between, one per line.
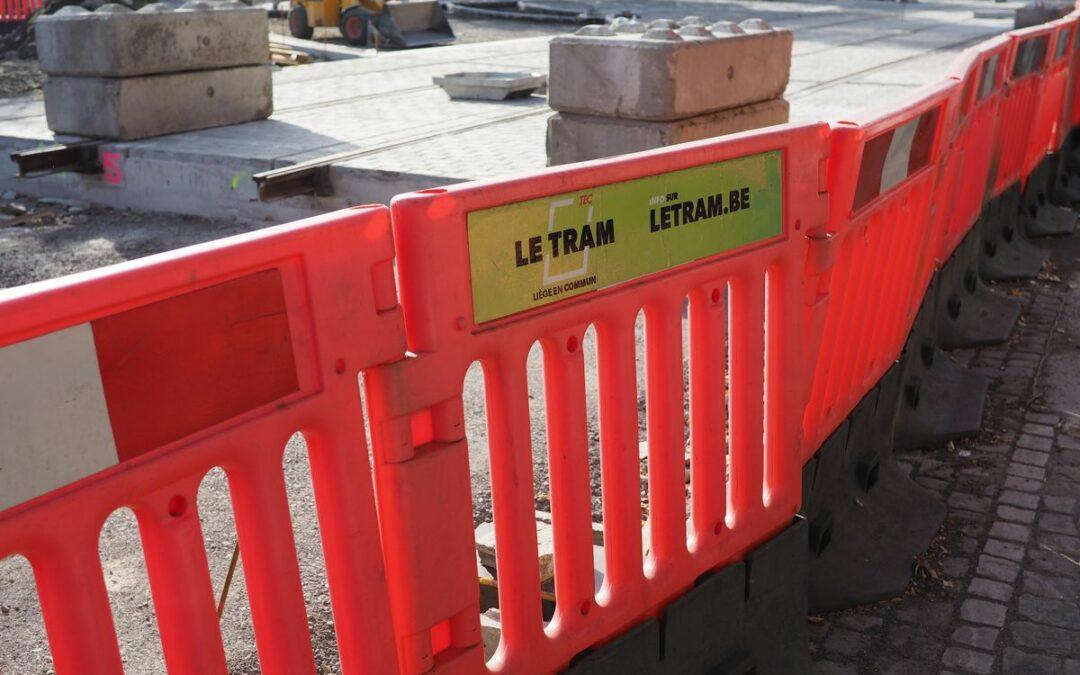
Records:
x=1019, y=515
x=1011, y=531
x=1060, y=504
x=1072, y=666
x=833, y=668
x=1033, y=457
x=1038, y=429
x=1024, y=500
x=983, y=612
x=860, y=622
x=1041, y=638
x=1016, y=662
x=935, y=484
x=1068, y=442
x=1026, y=471
x=1034, y=442
x=1043, y=418
x=980, y=637
x=926, y=613
x=968, y=660
x=956, y=567
x=1048, y=586
x=846, y=642
x=1004, y=549
x=1024, y=484
x=1057, y=522
x=989, y=588
x=969, y=502
x=1061, y=613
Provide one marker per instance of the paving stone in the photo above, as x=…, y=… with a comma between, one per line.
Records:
x=1043, y=418
x=1011, y=531
x=956, y=567
x=1024, y=484
x=1072, y=666
x=1022, y=499
x=1060, y=504
x=1056, y=522
x=989, y=588
x=1013, y=513
x=983, y=612
x=1061, y=613
x=1004, y=549
x=1034, y=442
x=1026, y=471
x=1043, y=638
x=967, y=660
x=846, y=642
x=969, y=502
x=1024, y=663
x=935, y=484
x=1038, y=429
x=833, y=668
x=1068, y=442
x=981, y=637
x=860, y=622
x=926, y=613
x=1047, y=586
x=1032, y=457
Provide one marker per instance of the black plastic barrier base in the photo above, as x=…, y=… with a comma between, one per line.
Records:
x=969, y=313
x=1006, y=253
x=1039, y=217
x=867, y=519
x=749, y=618
x=939, y=399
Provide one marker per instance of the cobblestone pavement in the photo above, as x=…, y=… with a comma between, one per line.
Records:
x=1000, y=590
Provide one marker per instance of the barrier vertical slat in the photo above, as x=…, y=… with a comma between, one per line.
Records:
x=180, y=582
x=664, y=430
x=75, y=605
x=341, y=479
x=783, y=389
x=568, y=470
x=708, y=412
x=509, y=437
x=271, y=571
x=747, y=344
x=619, y=439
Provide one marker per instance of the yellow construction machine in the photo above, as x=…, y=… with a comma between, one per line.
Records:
x=376, y=23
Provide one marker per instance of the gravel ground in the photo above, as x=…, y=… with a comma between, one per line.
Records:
x=20, y=77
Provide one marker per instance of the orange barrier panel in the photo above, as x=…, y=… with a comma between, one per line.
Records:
x=1051, y=99
x=1073, y=95
x=969, y=159
x=1066, y=71
x=485, y=271
x=1028, y=57
x=123, y=387
x=18, y=10
x=882, y=177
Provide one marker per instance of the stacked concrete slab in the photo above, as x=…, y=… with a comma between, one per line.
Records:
x=634, y=86
x=122, y=74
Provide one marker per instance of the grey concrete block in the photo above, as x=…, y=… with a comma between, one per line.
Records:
x=1034, y=13
x=117, y=42
x=138, y=107
x=576, y=138
x=666, y=74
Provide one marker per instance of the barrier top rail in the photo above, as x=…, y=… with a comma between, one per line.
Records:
x=882, y=175
x=488, y=269
x=124, y=386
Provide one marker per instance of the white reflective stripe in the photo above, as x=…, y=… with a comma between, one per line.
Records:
x=54, y=424
x=895, y=168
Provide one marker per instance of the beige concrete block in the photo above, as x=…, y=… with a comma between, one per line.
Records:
x=576, y=138
x=117, y=42
x=667, y=73
x=152, y=105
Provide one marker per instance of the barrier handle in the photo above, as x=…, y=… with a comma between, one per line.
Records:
x=708, y=413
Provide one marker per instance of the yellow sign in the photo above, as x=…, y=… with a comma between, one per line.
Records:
x=534, y=253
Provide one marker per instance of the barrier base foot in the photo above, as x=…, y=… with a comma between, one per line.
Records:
x=970, y=314
x=1067, y=188
x=940, y=400
x=1050, y=221
x=748, y=618
x=1010, y=259
x=868, y=520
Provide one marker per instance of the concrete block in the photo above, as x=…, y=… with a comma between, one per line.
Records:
x=117, y=42
x=138, y=107
x=576, y=138
x=667, y=73
x=545, y=545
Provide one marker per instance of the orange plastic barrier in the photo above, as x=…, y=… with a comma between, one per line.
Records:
x=746, y=302
x=969, y=158
x=125, y=386
x=883, y=169
x=795, y=257
x=18, y=10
